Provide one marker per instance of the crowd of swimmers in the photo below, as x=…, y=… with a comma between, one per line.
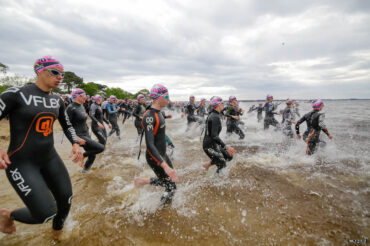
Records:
x=39, y=176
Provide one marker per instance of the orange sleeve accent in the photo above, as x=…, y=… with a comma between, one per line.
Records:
x=308, y=141
x=155, y=159
x=156, y=124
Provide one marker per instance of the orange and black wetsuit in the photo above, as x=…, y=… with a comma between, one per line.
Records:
x=37, y=173
x=155, y=137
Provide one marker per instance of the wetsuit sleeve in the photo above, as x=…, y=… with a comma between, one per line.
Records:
x=300, y=121
x=92, y=113
x=149, y=123
x=8, y=101
x=322, y=124
x=216, y=125
x=135, y=112
x=66, y=124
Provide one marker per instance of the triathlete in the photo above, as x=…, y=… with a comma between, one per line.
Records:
x=213, y=146
x=112, y=111
x=288, y=118
x=317, y=125
x=233, y=112
x=155, y=138
x=139, y=112
x=97, y=119
x=33, y=166
x=77, y=115
x=270, y=111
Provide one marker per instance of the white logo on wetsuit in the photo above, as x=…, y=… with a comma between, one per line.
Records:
x=53, y=102
x=2, y=106
x=16, y=175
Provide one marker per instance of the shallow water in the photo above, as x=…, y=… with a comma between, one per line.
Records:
x=271, y=193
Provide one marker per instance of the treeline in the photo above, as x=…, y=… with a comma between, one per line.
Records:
x=70, y=81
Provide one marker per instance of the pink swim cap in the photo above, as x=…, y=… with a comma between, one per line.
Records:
x=45, y=63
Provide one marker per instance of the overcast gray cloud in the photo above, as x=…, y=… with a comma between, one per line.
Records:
x=299, y=49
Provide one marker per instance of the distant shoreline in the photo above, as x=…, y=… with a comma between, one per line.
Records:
x=349, y=99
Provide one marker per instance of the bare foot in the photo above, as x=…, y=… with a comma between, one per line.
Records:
x=138, y=182
x=206, y=166
x=6, y=224
x=57, y=234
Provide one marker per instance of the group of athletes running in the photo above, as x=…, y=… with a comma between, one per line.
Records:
x=39, y=176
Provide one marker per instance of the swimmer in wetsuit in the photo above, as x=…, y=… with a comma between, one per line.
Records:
x=190, y=109
x=112, y=110
x=288, y=119
x=270, y=111
x=78, y=117
x=97, y=119
x=233, y=112
x=317, y=125
x=155, y=138
x=139, y=112
x=259, y=111
x=33, y=166
x=213, y=146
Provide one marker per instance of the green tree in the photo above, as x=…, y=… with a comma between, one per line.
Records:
x=3, y=68
x=118, y=92
x=3, y=88
x=145, y=92
x=71, y=80
x=90, y=88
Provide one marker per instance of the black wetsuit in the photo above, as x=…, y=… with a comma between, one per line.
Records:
x=37, y=173
x=96, y=115
x=139, y=112
x=155, y=138
x=317, y=125
x=201, y=113
x=213, y=146
x=126, y=112
x=231, y=123
x=77, y=115
x=269, y=115
x=307, y=118
x=190, y=110
x=112, y=117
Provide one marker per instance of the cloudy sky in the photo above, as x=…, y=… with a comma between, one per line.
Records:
x=287, y=48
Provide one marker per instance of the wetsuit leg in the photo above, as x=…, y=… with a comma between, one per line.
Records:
x=162, y=178
x=125, y=116
x=138, y=127
x=28, y=177
x=239, y=131
x=101, y=134
x=115, y=128
x=312, y=141
x=218, y=156
x=92, y=148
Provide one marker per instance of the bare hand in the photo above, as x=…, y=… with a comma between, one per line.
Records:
x=110, y=126
x=4, y=159
x=330, y=137
x=82, y=141
x=182, y=115
x=76, y=154
x=231, y=150
x=170, y=172
x=235, y=117
x=100, y=126
x=169, y=116
x=294, y=122
x=299, y=136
